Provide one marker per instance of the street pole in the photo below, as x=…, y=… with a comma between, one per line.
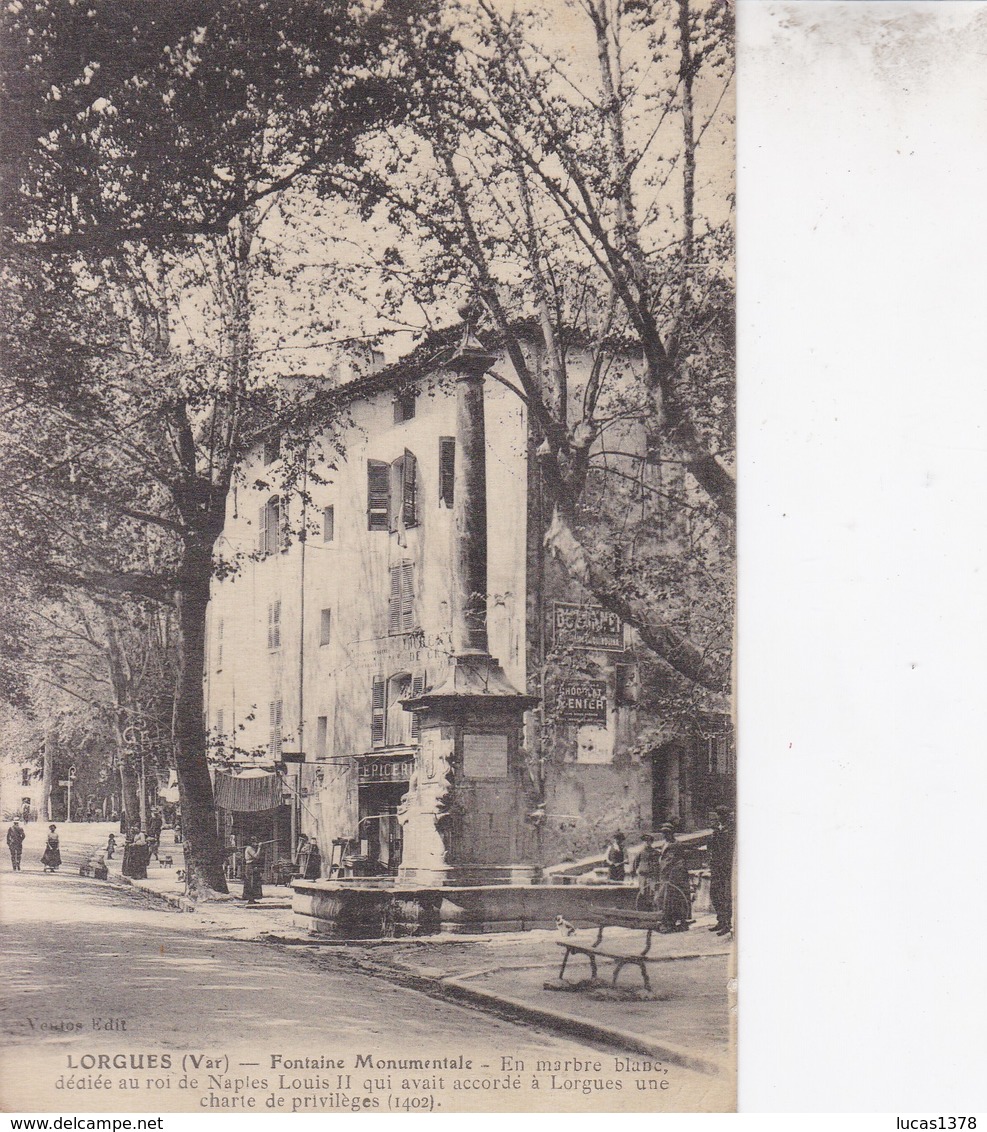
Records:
x=68, y=801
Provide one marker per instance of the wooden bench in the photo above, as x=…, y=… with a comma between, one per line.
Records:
x=604, y=918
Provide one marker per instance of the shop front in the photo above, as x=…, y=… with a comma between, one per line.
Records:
x=250, y=806
x=382, y=783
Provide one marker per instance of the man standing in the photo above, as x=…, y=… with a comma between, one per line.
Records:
x=15, y=843
x=721, y=870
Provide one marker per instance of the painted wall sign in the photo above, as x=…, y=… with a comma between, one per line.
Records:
x=586, y=627
x=384, y=770
x=484, y=756
x=582, y=701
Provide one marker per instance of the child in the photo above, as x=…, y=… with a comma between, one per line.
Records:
x=111, y=844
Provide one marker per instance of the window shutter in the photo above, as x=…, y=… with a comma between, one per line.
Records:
x=378, y=495
x=274, y=625
x=417, y=687
x=328, y=524
x=274, y=526
x=219, y=644
x=407, y=596
x=447, y=469
x=272, y=736
x=325, y=627
x=219, y=725
x=262, y=530
x=404, y=406
x=378, y=711
x=394, y=618
x=410, y=492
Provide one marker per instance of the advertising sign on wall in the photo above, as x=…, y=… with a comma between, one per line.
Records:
x=586, y=627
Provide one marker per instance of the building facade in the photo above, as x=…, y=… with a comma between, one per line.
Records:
x=317, y=642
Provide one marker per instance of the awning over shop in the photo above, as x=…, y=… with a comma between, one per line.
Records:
x=248, y=791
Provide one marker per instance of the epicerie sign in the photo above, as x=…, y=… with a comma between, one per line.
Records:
x=582, y=701
x=385, y=770
x=587, y=627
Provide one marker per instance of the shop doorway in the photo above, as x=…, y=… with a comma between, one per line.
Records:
x=380, y=831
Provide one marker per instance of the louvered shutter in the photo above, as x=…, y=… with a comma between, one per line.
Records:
x=272, y=743
x=378, y=495
x=447, y=469
x=378, y=711
x=407, y=596
x=274, y=625
x=417, y=687
x=394, y=603
x=328, y=524
x=274, y=526
x=262, y=530
x=410, y=489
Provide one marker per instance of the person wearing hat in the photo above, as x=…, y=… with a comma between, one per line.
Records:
x=616, y=858
x=52, y=856
x=645, y=868
x=15, y=843
x=672, y=898
x=721, y=844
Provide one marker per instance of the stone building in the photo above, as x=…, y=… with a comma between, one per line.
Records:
x=422, y=581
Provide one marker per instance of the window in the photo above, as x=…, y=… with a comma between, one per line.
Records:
x=378, y=712
x=274, y=743
x=274, y=625
x=219, y=725
x=321, y=736
x=401, y=602
x=404, y=405
x=325, y=626
x=272, y=447
x=390, y=724
x=25, y=776
x=328, y=524
x=269, y=539
x=378, y=495
x=447, y=469
x=219, y=645
x=625, y=684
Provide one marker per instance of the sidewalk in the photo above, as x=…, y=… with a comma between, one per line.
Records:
x=684, y=1020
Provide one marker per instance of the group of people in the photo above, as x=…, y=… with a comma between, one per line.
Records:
x=51, y=859
x=662, y=874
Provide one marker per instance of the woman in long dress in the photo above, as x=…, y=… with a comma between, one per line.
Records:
x=252, y=891
x=52, y=856
x=672, y=899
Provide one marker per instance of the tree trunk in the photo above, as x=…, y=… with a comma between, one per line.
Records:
x=44, y=809
x=129, y=791
x=204, y=853
x=122, y=718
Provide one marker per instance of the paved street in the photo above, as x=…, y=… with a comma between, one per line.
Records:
x=91, y=970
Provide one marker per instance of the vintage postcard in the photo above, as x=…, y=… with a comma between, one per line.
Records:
x=369, y=556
